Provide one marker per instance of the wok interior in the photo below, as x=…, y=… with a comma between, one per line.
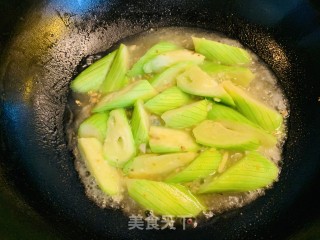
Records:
x=42, y=58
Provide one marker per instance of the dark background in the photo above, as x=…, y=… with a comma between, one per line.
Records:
x=19, y=220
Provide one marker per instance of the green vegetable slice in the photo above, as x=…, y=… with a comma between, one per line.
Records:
x=119, y=146
x=169, y=99
x=186, y=116
x=167, y=140
x=107, y=177
x=163, y=198
x=167, y=59
x=197, y=82
x=214, y=134
x=257, y=112
x=157, y=166
x=94, y=126
x=116, y=76
x=92, y=77
x=140, y=123
x=239, y=75
x=205, y=164
x=252, y=172
x=161, y=47
x=127, y=96
x=167, y=78
x=265, y=139
x=221, y=112
x=233, y=120
x=221, y=53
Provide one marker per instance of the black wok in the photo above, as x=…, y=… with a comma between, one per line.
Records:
x=41, y=196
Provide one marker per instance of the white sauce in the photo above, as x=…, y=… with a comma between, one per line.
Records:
x=264, y=87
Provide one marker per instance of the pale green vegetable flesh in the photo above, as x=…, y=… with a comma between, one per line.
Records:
x=214, y=134
x=167, y=140
x=163, y=198
x=165, y=60
x=157, y=166
x=92, y=77
x=252, y=172
x=204, y=165
x=94, y=126
x=239, y=75
x=266, y=117
x=162, y=47
x=115, y=78
x=119, y=146
x=221, y=53
x=186, y=116
x=197, y=82
x=127, y=96
x=108, y=178
x=169, y=99
x=140, y=123
x=167, y=78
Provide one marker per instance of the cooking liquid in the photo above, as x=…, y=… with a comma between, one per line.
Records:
x=263, y=87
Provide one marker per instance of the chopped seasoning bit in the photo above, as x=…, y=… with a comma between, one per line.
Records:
x=78, y=103
x=284, y=113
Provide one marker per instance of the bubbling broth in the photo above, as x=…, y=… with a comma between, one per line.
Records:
x=263, y=87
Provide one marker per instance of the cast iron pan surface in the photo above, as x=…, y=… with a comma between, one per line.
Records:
x=41, y=195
